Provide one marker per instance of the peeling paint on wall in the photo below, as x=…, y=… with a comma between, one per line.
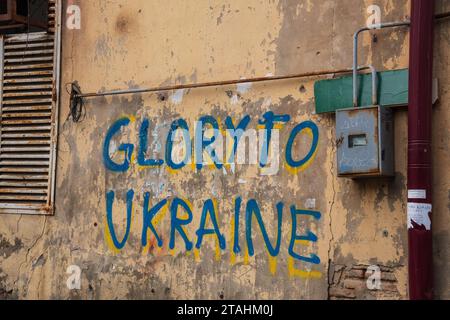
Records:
x=103, y=218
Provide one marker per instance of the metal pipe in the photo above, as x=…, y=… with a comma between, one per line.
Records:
x=260, y=79
x=419, y=150
x=213, y=84
x=374, y=83
x=355, y=52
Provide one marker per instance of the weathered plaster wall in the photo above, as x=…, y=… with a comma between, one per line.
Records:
x=147, y=43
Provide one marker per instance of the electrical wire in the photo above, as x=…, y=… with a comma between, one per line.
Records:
x=77, y=109
x=438, y=17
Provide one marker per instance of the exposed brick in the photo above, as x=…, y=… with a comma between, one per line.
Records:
x=387, y=269
x=360, y=267
x=341, y=298
x=350, y=283
x=354, y=284
x=385, y=276
x=389, y=286
x=342, y=293
x=337, y=276
x=388, y=276
x=358, y=273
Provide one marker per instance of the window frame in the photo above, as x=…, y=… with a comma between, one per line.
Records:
x=8, y=14
x=49, y=207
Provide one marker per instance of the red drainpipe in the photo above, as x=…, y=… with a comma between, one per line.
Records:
x=419, y=150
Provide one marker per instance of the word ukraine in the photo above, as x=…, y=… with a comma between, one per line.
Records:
x=179, y=222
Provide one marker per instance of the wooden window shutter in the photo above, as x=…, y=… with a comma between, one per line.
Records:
x=29, y=90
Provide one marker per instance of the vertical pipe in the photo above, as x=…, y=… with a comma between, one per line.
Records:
x=355, y=52
x=419, y=150
x=355, y=66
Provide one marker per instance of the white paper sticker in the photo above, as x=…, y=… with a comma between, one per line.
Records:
x=417, y=194
x=419, y=213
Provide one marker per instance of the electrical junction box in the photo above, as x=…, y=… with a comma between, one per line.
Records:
x=365, y=142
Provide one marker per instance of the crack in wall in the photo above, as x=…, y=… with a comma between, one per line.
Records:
x=17, y=224
x=330, y=213
x=333, y=35
x=28, y=252
x=333, y=149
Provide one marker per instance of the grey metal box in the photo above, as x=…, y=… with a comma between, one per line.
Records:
x=365, y=142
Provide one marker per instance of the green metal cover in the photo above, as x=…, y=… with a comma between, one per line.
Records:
x=335, y=94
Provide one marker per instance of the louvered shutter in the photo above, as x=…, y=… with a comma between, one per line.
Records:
x=51, y=16
x=28, y=120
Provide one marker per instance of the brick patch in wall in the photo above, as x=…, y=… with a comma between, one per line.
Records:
x=351, y=283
